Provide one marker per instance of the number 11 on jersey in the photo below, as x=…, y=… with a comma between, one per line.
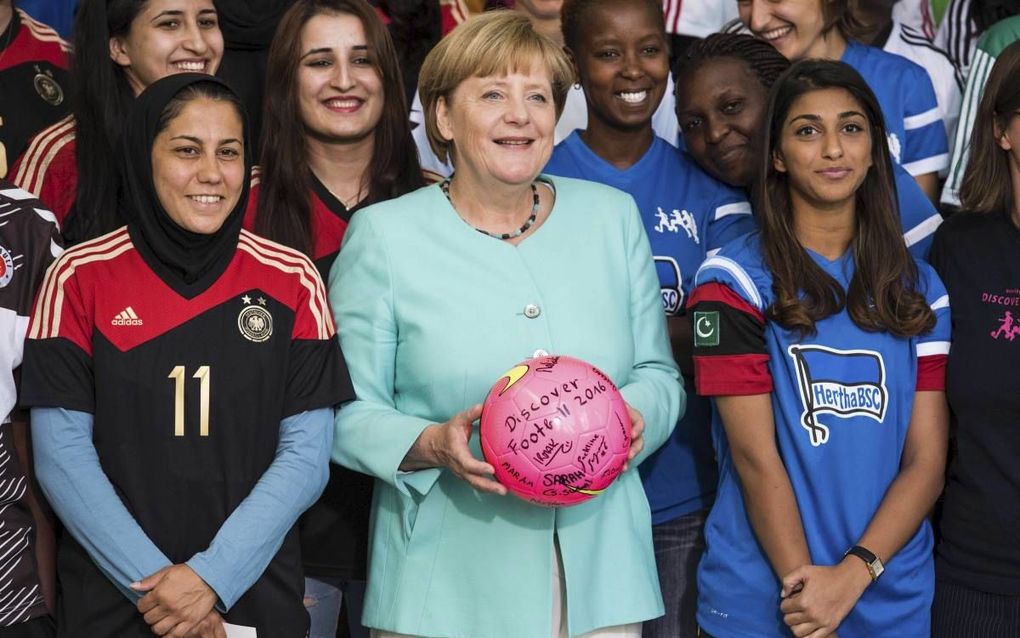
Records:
x=202, y=374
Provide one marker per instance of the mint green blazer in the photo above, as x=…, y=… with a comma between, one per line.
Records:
x=430, y=313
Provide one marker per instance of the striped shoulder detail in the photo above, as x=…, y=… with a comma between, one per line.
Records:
x=915, y=38
x=912, y=35
x=49, y=304
x=734, y=26
x=256, y=176
x=33, y=164
x=43, y=32
x=737, y=272
x=292, y=262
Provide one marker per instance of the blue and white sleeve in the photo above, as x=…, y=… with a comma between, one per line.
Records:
x=730, y=218
x=926, y=147
x=933, y=346
x=918, y=216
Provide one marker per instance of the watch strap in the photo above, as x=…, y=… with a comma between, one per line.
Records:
x=874, y=563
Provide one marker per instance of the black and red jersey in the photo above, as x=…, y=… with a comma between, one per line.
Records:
x=187, y=396
x=329, y=220
x=33, y=83
x=29, y=242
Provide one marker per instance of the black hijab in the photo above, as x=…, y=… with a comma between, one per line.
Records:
x=248, y=25
x=188, y=262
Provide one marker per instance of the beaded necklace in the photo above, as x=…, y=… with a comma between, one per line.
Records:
x=445, y=186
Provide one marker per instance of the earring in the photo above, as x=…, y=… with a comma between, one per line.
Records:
x=577, y=85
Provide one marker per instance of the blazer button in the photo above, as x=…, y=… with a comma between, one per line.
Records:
x=531, y=311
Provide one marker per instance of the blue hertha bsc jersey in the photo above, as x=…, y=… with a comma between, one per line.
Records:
x=842, y=401
x=913, y=120
x=687, y=215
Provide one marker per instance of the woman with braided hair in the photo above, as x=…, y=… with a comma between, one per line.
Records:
x=723, y=83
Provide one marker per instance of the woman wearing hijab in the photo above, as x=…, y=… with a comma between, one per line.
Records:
x=178, y=471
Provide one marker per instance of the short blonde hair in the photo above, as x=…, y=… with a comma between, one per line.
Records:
x=491, y=43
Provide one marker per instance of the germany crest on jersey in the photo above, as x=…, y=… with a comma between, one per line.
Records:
x=187, y=395
x=33, y=83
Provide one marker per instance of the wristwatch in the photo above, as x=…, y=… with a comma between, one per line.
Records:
x=874, y=563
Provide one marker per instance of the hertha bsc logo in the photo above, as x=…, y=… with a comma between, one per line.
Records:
x=842, y=383
x=255, y=323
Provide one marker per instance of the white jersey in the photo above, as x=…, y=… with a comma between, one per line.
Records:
x=946, y=79
x=697, y=18
x=915, y=14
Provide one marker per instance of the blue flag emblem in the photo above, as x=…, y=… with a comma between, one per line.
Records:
x=842, y=383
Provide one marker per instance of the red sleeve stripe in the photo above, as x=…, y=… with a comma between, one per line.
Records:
x=45, y=322
x=931, y=373
x=290, y=261
x=722, y=293
x=42, y=32
x=45, y=145
x=732, y=375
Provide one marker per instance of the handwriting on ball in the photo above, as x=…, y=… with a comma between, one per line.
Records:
x=537, y=437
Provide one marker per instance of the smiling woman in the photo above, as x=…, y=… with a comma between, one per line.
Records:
x=198, y=165
x=190, y=312
x=120, y=47
x=826, y=29
x=840, y=383
x=335, y=139
x=440, y=291
x=620, y=55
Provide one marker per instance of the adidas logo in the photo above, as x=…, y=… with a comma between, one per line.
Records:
x=126, y=317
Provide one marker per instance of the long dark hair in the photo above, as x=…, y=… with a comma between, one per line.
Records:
x=882, y=295
x=100, y=100
x=284, y=211
x=986, y=183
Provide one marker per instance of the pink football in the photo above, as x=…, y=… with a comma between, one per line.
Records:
x=556, y=429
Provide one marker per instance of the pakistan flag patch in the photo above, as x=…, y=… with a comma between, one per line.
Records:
x=706, y=329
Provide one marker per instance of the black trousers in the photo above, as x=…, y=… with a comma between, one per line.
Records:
x=41, y=627
x=962, y=612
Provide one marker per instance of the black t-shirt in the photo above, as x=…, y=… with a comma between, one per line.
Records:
x=33, y=84
x=978, y=258
x=334, y=531
x=187, y=396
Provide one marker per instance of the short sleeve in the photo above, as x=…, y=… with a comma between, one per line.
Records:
x=727, y=317
x=730, y=218
x=57, y=368
x=317, y=376
x=926, y=147
x=48, y=168
x=918, y=216
x=933, y=346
